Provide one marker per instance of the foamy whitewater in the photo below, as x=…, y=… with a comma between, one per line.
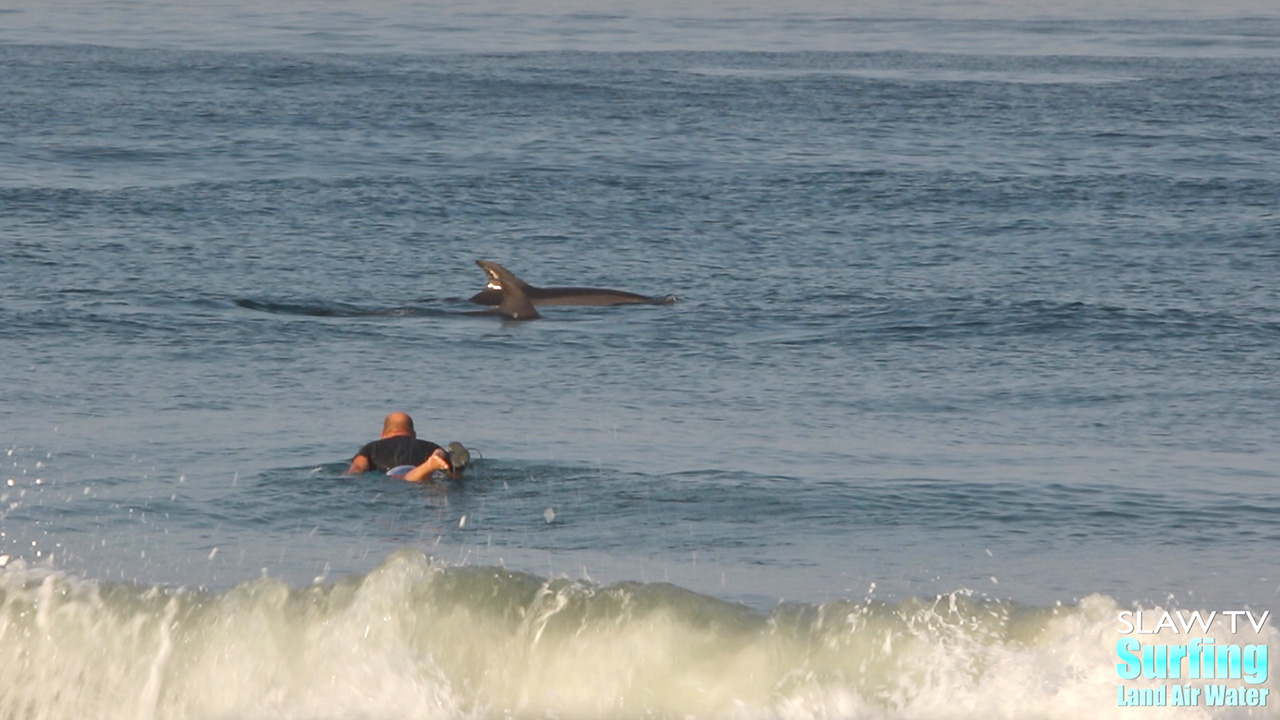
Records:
x=967, y=408
x=414, y=639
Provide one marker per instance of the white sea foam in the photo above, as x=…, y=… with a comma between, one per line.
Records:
x=413, y=639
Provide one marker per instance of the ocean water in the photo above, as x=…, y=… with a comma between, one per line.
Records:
x=977, y=348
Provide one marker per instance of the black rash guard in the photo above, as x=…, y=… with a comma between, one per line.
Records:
x=395, y=451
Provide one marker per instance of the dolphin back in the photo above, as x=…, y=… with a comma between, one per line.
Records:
x=502, y=280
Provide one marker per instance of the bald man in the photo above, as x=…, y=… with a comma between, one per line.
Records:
x=399, y=447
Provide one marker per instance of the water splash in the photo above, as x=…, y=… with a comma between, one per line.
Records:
x=415, y=639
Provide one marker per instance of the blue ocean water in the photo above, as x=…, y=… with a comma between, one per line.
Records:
x=977, y=346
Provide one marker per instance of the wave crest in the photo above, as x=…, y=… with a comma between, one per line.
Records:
x=416, y=639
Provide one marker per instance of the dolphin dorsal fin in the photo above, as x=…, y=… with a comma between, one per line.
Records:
x=515, y=303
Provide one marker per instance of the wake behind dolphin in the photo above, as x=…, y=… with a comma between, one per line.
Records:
x=516, y=298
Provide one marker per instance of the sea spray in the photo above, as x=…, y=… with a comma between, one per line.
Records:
x=417, y=639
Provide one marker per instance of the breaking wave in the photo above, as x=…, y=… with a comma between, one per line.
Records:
x=416, y=639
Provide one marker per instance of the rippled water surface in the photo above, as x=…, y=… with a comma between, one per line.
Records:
x=973, y=303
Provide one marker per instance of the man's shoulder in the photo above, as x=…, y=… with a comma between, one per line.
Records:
x=397, y=441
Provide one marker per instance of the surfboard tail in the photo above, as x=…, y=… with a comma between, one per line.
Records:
x=459, y=456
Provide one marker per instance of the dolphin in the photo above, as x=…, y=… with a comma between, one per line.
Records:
x=510, y=294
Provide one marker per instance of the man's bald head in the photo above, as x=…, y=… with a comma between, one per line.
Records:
x=398, y=423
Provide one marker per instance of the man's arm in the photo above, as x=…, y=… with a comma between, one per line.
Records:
x=438, y=461
x=359, y=464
